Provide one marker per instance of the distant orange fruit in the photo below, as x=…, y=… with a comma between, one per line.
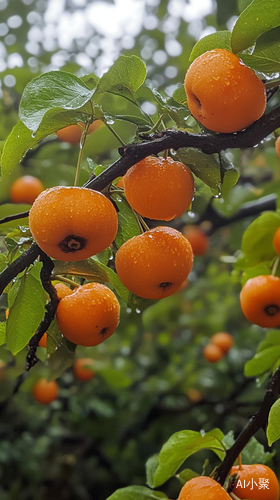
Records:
x=73, y=133
x=276, y=239
x=159, y=188
x=153, y=265
x=203, y=488
x=224, y=94
x=45, y=392
x=260, y=300
x=89, y=315
x=197, y=238
x=223, y=340
x=82, y=369
x=212, y=353
x=256, y=482
x=277, y=146
x=25, y=189
x=73, y=223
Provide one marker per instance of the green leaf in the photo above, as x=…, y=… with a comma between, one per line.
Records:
x=186, y=475
x=21, y=139
x=262, y=361
x=26, y=313
x=266, y=61
x=56, y=89
x=258, y=18
x=127, y=225
x=61, y=352
x=124, y=77
x=273, y=430
x=229, y=174
x=205, y=167
x=93, y=270
x=254, y=453
x=268, y=39
x=3, y=333
x=180, y=446
x=137, y=493
x=151, y=466
x=257, y=240
x=217, y=40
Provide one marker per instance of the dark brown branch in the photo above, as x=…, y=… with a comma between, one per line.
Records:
x=257, y=422
x=249, y=209
x=48, y=265
x=9, y=218
x=16, y=267
x=176, y=139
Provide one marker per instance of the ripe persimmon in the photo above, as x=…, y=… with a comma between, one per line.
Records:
x=159, y=188
x=255, y=481
x=212, y=353
x=45, y=392
x=224, y=94
x=223, y=340
x=25, y=189
x=73, y=133
x=82, y=369
x=72, y=223
x=153, y=265
x=89, y=315
x=197, y=238
x=62, y=290
x=203, y=488
x=260, y=300
x=277, y=146
x=276, y=240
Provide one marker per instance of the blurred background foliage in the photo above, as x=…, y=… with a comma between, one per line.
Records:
x=151, y=378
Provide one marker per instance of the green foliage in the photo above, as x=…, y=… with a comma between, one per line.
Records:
x=272, y=430
x=137, y=493
x=177, y=449
x=267, y=357
x=26, y=310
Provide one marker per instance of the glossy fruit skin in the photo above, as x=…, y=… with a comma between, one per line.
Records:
x=45, y=392
x=223, y=340
x=255, y=471
x=277, y=146
x=43, y=340
x=25, y=189
x=73, y=133
x=153, y=265
x=89, y=315
x=82, y=369
x=62, y=290
x=224, y=94
x=197, y=238
x=212, y=353
x=203, y=488
x=159, y=188
x=276, y=239
x=72, y=223
x=260, y=300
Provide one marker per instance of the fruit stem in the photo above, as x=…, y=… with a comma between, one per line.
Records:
x=232, y=495
x=81, y=151
x=275, y=265
x=58, y=277
x=114, y=133
x=155, y=127
x=239, y=461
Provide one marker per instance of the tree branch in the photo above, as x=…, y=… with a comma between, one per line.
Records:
x=176, y=139
x=257, y=421
x=24, y=260
x=48, y=265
